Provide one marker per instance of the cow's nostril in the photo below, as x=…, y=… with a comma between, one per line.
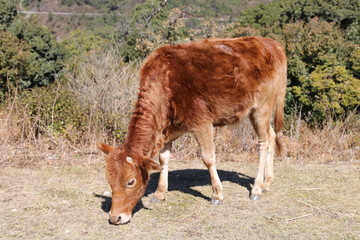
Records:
x=114, y=220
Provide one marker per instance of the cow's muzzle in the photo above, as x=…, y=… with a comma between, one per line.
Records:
x=123, y=218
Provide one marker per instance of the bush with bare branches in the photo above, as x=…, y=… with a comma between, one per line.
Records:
x=107, y=87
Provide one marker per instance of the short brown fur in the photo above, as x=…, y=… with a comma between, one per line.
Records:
x=191, y=88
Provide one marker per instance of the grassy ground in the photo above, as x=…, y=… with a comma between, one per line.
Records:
x=307, y=201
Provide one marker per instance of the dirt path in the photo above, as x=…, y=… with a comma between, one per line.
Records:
x=312, y=201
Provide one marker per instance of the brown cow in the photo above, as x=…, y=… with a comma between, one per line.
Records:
x=193, y=87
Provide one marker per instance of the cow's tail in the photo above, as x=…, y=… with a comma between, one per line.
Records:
x=279, y=109
x=278, y=124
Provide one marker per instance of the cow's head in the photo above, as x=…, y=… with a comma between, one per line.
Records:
x=128, y=176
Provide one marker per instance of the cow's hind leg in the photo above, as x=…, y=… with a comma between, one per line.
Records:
x=162, y=187
x=204, y=136
x=269, y=162
x=260, y=119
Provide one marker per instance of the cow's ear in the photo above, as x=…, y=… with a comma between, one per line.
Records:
x=150, y=165
x=105, y=148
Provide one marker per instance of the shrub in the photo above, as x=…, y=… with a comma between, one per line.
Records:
x=14, y=63
x=329, y=90
x=147, y=27
x=319, y=60
x=93, y=104
x=56, y=114
x=321, y=41
x=7, y=13
x=104, y=85
x=80, y=42
x=47, y=56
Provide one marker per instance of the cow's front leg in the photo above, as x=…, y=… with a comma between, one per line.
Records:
x=204, y=136
x=162, y=187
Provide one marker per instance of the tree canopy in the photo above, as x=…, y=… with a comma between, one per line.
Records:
x=30, y=55
x=321, y=39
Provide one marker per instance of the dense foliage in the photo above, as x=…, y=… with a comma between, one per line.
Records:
x=199, y=8
x=146, y=27
x=7, y=13
x=109, y=5
x=321, y=40
x=57, y=113
x=14, y=62
x=30, y=55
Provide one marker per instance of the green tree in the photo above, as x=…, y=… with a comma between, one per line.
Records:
x=147, y=27
x=82, y=41
x=47, y=55
x=316, y=50
x=314, y=41
x=320, y=38
x=344, y=13
x=329, y=89
x=264, y=15
x=14, y=63
x=7, y=13
x=109, y=5
x=355, y=62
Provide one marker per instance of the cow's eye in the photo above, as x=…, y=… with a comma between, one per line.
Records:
x=131, y=183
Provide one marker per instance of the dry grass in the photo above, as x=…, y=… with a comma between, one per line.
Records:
x=238, y=143
x=307, y=201
x=21, y=146
x=336, y=141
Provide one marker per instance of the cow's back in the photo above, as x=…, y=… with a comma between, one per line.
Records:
x=215, y=80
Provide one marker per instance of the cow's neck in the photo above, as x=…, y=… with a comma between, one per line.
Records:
x=147, y=122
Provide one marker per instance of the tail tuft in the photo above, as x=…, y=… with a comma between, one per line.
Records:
x=279, y=111
x=278, y=146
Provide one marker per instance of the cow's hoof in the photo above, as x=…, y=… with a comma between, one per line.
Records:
x=215, y=201
x=154, y=200
x=255, y=197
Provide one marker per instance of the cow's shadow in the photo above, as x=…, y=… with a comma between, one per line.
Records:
x=184, y=181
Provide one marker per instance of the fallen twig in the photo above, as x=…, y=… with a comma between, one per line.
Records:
x=309, y=205
x=311, y=189
x=296, y=218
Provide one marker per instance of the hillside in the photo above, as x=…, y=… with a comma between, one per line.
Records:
x=106, y=11
x=198, y=8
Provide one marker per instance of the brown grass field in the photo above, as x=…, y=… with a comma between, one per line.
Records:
x=71, y=201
